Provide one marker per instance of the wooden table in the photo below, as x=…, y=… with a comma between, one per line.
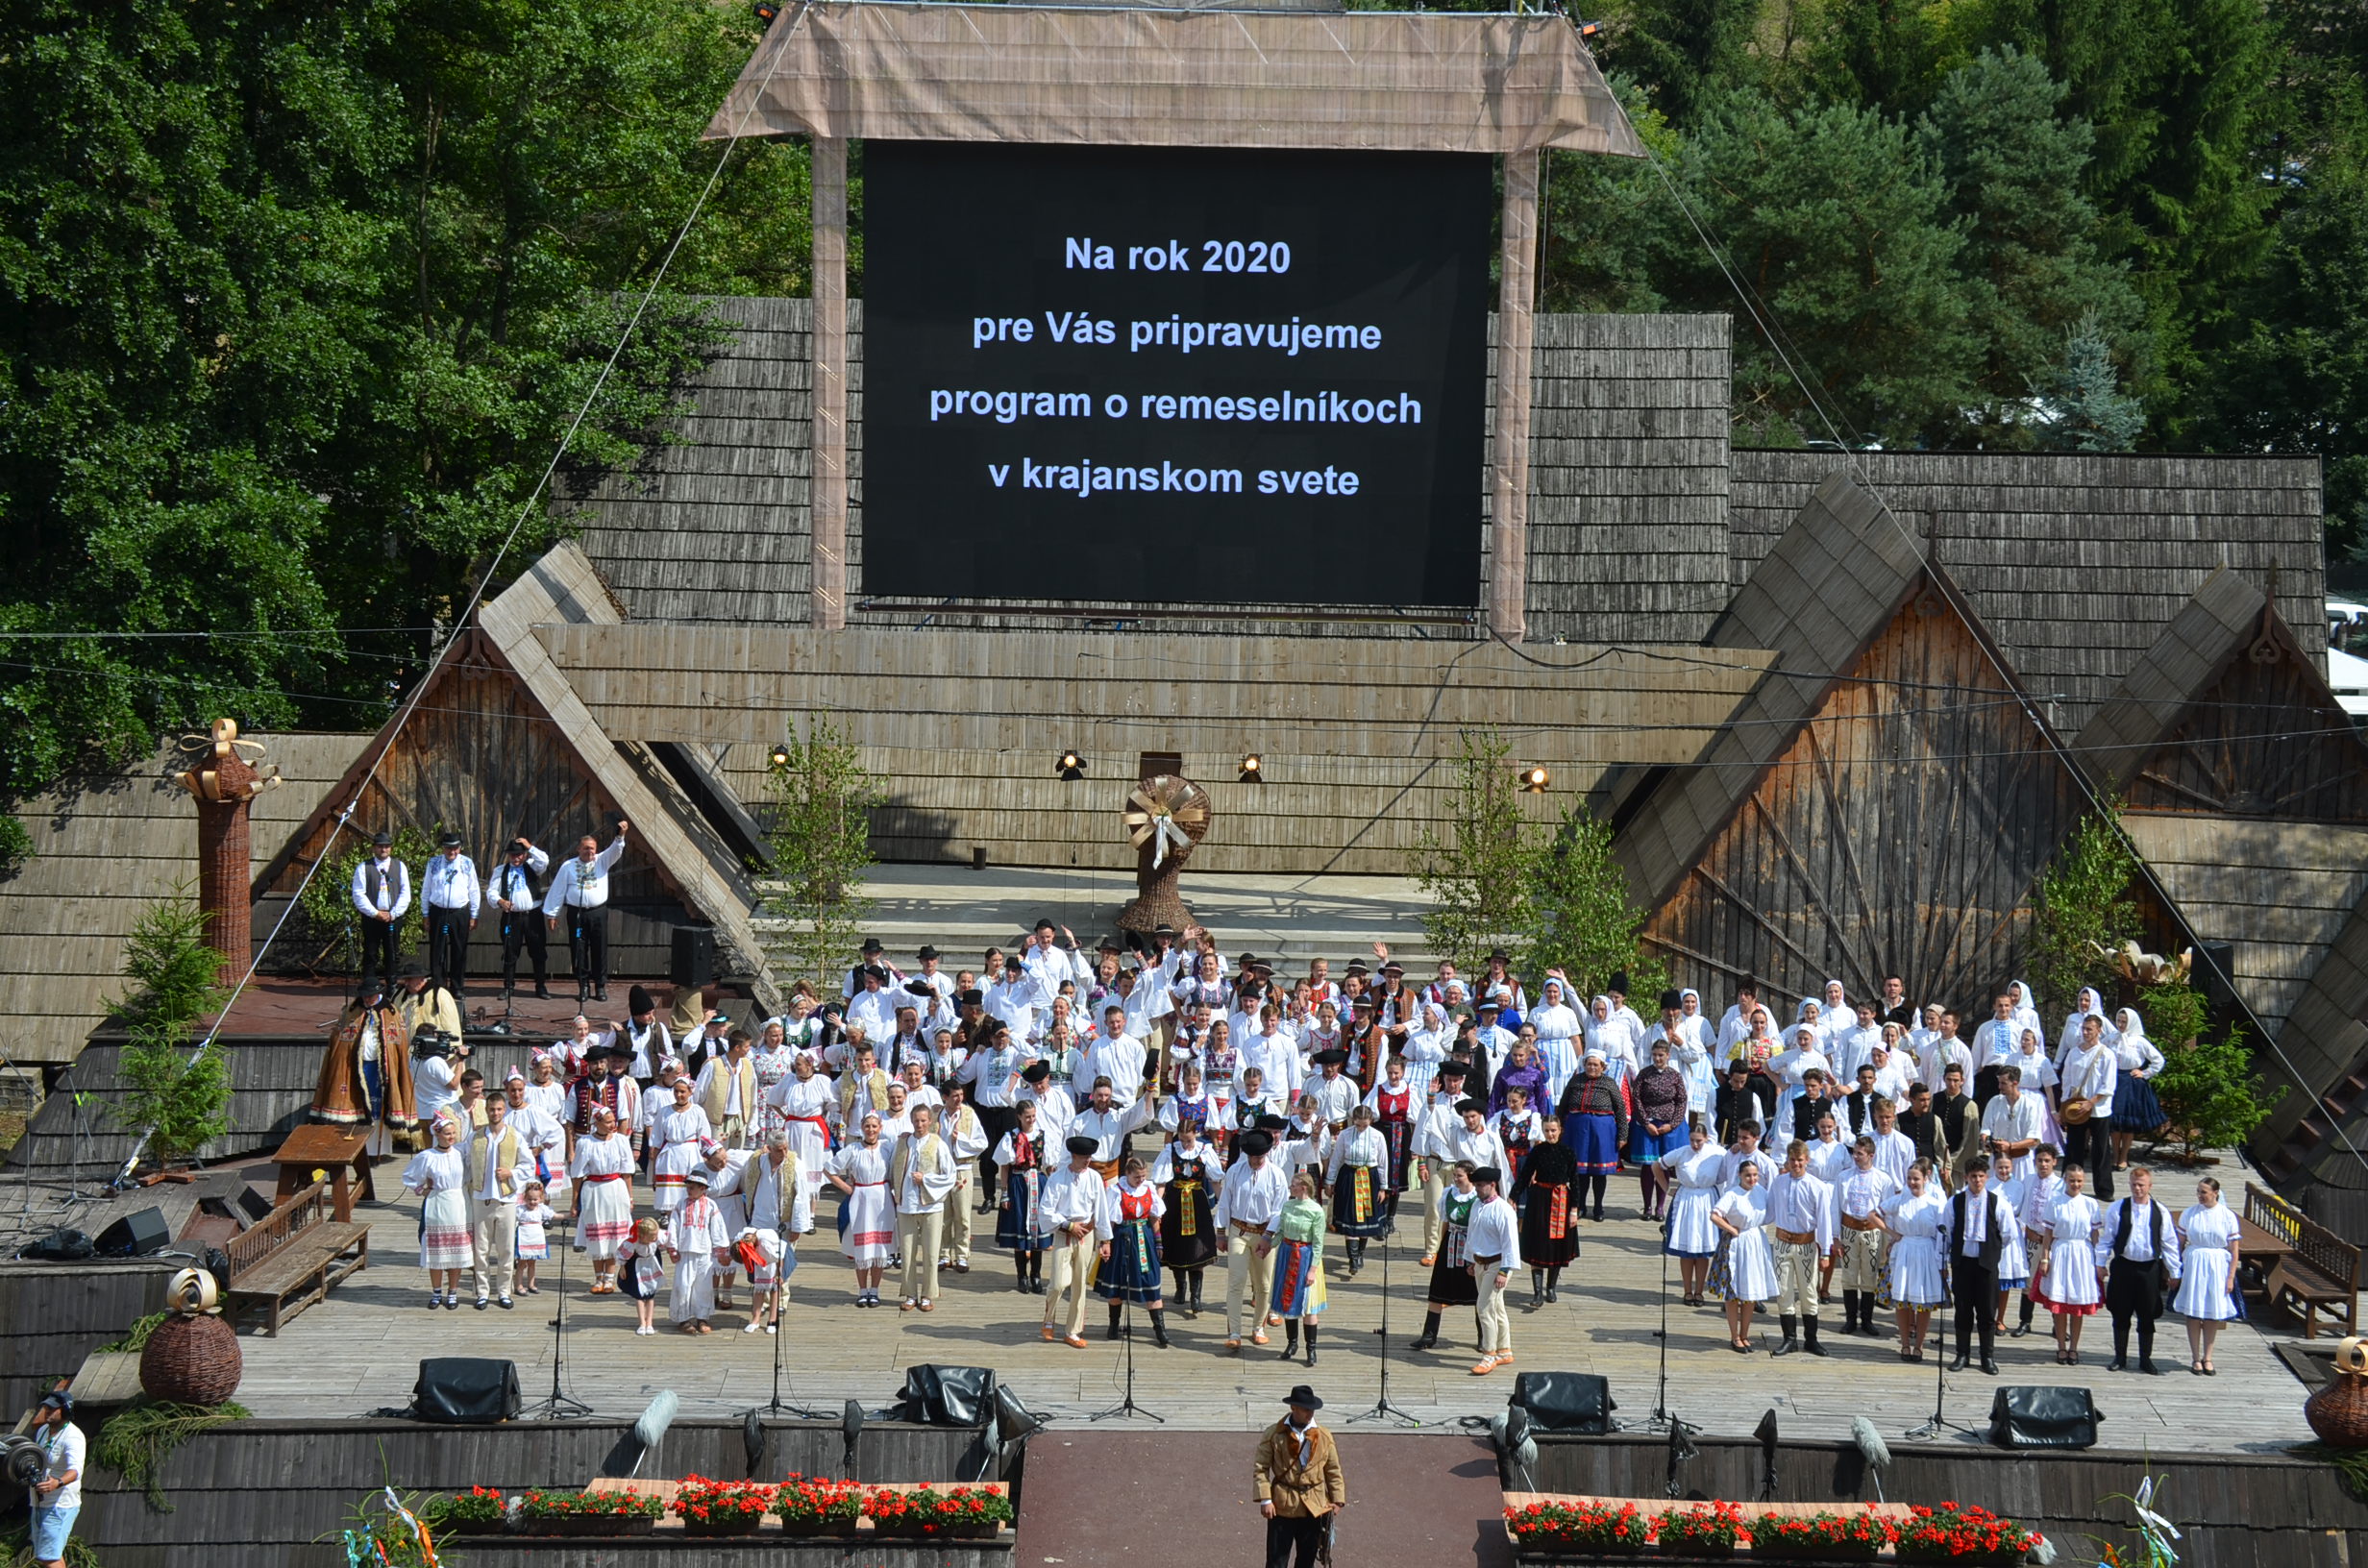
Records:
x=334, y=1150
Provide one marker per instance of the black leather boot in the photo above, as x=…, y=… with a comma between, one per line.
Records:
x=1792, y=1327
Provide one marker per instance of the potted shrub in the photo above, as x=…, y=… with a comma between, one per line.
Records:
x=812, y=1505
x=1576, y=1527
x=721, y=1508
x=586, y=1513
x=1960, y=1534
x=1824, y=1536
x=928, y=1513
x=481, y=1511
x=1707, y=1529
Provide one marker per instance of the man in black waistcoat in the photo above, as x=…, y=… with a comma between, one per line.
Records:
x=1977, y=1229
x=2142, y=1258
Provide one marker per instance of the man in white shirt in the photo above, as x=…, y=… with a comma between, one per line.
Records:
x=449, y=889
x=958, y=1124
x=1428, y=1145
x=1114, y=1055
x=1495, y=1041
x=2089, y=1073
x=1253, y=1192
x=1108, y=1124
x=1859, y=1251
x=874, y=1009
x=2011, y=1123
x=1493, y=1238
x=514, y=894
x=1972, y=1240
x=1855, y=1042
x=1016, y=996
x=1068, y=1204
x=58, y=1496
x=382, y=896
x=498, y=1164
x=2138, y=1245
x=922, y=1174
x=582, y=888
x=1800, y=1217
x=1996, y=1040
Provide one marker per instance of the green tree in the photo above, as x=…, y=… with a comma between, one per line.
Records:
x=1582, y=919
x=1681, y=53
x=181, y=1098
x=2081, y=404
x=821, y=843
x=295, y=301
x=1836, y=220
x=2210, y=1093
x=2013, y=164
x=1476, y=872
x=1607, y=222
x=2086, y=911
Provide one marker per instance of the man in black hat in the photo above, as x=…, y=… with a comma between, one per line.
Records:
x=1429, y=1148
x=520, y=901
x=1067, y=1207
x=449, y=889
x=651, y=1040
x=1300, y=1484
x=381, y=896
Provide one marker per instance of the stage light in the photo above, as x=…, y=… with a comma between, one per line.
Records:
x=1591, y=34
x=1534, y=779
x=765, y=11
x=779, y=757
x=1250, y=766
x=1072, y=766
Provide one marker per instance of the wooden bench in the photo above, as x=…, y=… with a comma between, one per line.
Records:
x=2315, y=1270
x=291, y=1258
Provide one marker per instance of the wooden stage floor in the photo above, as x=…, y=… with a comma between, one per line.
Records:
x=360, y=1350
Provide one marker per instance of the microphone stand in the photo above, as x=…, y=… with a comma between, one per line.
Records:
x=1127, y=1406
x=1383, y=1409
x=560, y=1404
x=778, y=1406
x=1662, y=1418
x=1939, y=1422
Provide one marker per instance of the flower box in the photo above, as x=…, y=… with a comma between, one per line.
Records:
x=589, y=1524
x=1707, y=1529
x=1965, y=1536
x=925, y=1513
x=1824, y=1537
x=816, y=1506
x=721, y=1507
x=736, y=1525
x=586, y=1513
x=1552, y=1526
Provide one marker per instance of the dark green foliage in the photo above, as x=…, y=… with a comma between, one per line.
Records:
x=180, y=1095
x=1583, y=920
x=2085, y=914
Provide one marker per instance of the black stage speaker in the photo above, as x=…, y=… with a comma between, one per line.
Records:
x=949, y=1396
x=1573, y=1402
x=465, y=1390
x=2035, y=1415
x=694, y=962
x=135, y=1235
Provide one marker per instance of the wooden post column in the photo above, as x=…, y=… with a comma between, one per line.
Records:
x=827, y=486
x=1509, y=496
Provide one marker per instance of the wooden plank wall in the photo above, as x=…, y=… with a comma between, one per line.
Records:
x=1900, y=831
x=2265, y=739
x=262, y=1491
x=2237, y=1510
x=54, y=1315
x=2073, y=562
x=964, y=727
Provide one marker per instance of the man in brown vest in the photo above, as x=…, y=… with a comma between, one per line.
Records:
x=499, y=1166
x=1301, y=1488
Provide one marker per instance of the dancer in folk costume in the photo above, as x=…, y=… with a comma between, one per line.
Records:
x=641, y=1269
x=676, y=1139
x=763, y=1252
x=366, y=1076
x=1915, y=1220
x=867, y=1214
x=1547, y=1193
x=603, y=1170
x=1594, y=1117
x=800, y=1106
x=1750, y=1271
x=2068, y=1286
x=1452, y=1284
x=531, y=1243
x=1187, y=1173
x=441, y=1179
x=1396, y=1105
x=1688, y=1233
x=1295, y=1237
x=1357, y=1175
x=2208, y=1234
x=697, y=1239
x=1021, y=1162
x=1126, y=1236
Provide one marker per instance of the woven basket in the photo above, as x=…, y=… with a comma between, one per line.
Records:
x=191, y=1360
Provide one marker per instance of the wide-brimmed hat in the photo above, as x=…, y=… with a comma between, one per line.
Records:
x=1302, y=1397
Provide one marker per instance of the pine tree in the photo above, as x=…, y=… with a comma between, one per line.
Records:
x=2081, y=405
x=1475, y=871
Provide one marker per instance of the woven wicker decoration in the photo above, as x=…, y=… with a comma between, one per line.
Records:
x=1165, y=817
x=192, y=1358
x=2338, y=1412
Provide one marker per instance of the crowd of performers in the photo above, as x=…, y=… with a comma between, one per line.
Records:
x=1135, y=1123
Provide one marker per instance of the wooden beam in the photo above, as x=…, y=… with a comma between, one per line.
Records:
x=828, y=507
x=1516, y=330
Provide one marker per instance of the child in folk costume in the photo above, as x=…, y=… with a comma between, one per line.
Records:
x=696, y=1236
x=2038, y=1206
x=868, y=1217
x=1914, y=1219
x=1296, y=1235
x=761, y=1253
x=1452, y=1284
x=2011, y=1180
x=640, y=1267
x=1693, y=1188
x=1021, y=1162
x=1357, y=1174
x=1187, y=1173
x=1126, y=1234
x=1519, y=1129
x=1547, y=1194
x=2207, y=1295
x=535, y=1217
x=1750, y=1263
x=440, y=1178
x=2067, y=1283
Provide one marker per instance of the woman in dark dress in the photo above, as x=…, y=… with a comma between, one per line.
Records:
x=1660, y=1126
x=1187, y=1173
x=1547, y=1194
x=1594, y=1117
x=1452, y=1284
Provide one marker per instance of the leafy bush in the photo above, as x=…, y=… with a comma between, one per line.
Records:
x=182, y=1098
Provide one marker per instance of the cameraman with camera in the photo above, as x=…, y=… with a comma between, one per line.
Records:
x=58, y=1496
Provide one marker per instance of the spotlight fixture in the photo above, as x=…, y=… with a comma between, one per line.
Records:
x=1250, y=766
x=1072, y=766
x=765, y=11
x=1534, y=779
x=779, y=757
x=1591, y=34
